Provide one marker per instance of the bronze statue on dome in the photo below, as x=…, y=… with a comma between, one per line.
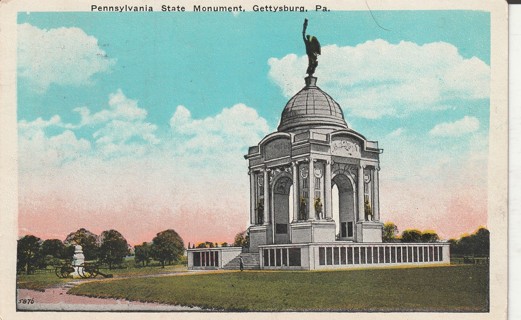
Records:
x=312, y=49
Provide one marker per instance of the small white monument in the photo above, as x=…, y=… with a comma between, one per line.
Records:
x=77, y=262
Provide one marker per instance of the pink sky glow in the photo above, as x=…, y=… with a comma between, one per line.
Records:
x=149, y=201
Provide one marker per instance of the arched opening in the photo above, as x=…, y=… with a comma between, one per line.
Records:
x=343, y=205
x=282, y=205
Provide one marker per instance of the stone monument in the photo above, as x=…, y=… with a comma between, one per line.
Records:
x=314, y=194
x=78, y=259
x=296, y=170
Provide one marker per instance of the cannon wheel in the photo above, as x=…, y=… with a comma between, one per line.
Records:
x=64, y=270
x=58, y=271
x=88, y=270
x=94, y=270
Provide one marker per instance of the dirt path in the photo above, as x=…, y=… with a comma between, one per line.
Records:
x=57, y=299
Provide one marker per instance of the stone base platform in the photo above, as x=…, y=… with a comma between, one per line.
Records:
x=324, y=255
x=344, y=254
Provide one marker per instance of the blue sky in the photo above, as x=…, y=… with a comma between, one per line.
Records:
x=193, y=58
x=170, y=80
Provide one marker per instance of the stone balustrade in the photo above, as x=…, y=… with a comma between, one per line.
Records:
x=211, y=258
x=348, y=254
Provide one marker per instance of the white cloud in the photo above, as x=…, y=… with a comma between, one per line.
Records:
x=187, y=176
x=36, y=150
x=31, y=127
x=63, y=56
x=120, y=130
x=120, y=108
x=220, y=138
x=457, y=128
x=398, y=132
x=376, y=78
x=423, y=184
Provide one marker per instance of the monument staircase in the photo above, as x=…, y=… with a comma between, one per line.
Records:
x=251, y=262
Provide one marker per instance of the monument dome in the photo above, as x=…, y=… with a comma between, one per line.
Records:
x=311, y=108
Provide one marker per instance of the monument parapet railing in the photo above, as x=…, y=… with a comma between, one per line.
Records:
x=218, y=257
x=333, y=255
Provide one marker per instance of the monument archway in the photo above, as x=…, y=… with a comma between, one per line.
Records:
x=344, y=206
x=282, y=204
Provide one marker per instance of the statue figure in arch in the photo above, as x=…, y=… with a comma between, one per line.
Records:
x=303, y=212
x=318, y=209
x=260, y=213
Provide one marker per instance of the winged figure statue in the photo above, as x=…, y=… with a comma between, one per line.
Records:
x=312, y=49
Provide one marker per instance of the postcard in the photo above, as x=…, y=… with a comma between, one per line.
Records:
x=232, y=159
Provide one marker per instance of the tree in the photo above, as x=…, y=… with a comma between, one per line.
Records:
x=143, y=253
x=429, y=236
x=454, y=248
x=466, y=245
x=87, y=240
x=242, y=239
x=114, y=247
x=207, y=244
x=68, y=252
x=482, y=242
x=389, y=232
x=167, y=246
x=476, y=244
x=411, y=235
x=28, y=253
x=54, y=248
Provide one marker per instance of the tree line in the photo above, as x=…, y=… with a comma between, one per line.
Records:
x=476, y=244
x=390, y=234
x=242, y=239
x=109, y=248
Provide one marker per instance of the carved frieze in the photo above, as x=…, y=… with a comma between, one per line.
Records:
x=345, y=148
x=304, y=172
x=317, y=172
x=277, y=148
x=275, y=172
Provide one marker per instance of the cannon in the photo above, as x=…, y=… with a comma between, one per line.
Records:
x=63, y=271
x=85, y=270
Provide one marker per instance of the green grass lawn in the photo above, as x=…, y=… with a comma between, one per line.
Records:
x=451, y=288
x=39, y=281
x=45, y=280
x=126, y=272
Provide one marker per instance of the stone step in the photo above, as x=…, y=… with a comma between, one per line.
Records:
x=251, y=261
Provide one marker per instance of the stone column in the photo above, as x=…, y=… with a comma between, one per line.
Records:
x=376, y=199
x=294, y=168
x=252, y=197
x=311, y=177
x=327, y=192
x=266, y=197
x=361, y=213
